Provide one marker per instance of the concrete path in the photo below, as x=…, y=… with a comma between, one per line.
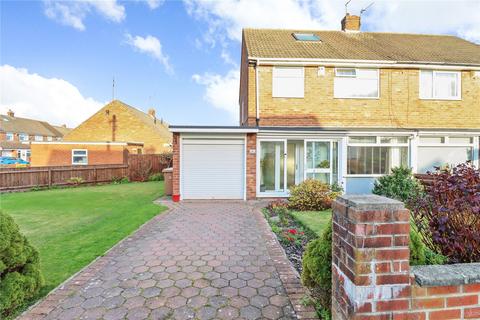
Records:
x=201, y=260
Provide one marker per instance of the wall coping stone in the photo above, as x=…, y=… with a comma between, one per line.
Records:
x=369, y=202
x=447, y=275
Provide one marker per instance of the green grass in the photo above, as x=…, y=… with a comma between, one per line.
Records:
x=71, y=227
x=315, y=221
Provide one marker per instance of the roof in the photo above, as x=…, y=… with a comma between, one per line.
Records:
x=30, y=126
x=13, y=145
x=212, y=129
x=62, y=129
x=369, y=46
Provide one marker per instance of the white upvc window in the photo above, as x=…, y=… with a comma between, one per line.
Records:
x=79, y=157
x=356, y=83
x=23, y=137
x=38, y=138
x=288, y=82
x=49, y=138
x=9, y=136
x=440, y=85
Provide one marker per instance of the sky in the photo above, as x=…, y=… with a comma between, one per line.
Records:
x=58, y=59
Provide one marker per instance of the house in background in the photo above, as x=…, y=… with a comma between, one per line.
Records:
x=16, y=134
x=342, y=107
x=106, y=137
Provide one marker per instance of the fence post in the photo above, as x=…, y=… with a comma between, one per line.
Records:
x=49, y=177
x=370, y=257
x=95, y=175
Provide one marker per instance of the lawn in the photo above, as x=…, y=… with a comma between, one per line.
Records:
x=71, y=227
x=316, y=221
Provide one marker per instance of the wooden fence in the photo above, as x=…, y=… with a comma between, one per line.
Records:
x=137, y=168
x=425, y=179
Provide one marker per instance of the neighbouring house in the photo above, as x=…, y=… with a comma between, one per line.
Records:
x=17, y=133
x=106, y=137
x=67, y=153
x=339, y=106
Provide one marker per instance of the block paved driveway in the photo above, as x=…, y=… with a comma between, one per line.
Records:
x=202, y=260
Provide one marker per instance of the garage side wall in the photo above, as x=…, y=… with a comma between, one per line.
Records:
x=251, y=166
x=176, y=167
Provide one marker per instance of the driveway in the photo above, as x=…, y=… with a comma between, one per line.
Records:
x=201, y=260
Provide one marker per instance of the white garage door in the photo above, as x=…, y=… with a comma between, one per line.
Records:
x=213, y=169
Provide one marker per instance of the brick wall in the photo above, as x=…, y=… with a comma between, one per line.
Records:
x=251, y=166
x=372, y=278
x=399, y=104
x=176, y=167
x=61, y=154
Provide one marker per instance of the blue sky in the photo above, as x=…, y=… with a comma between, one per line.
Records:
x=58, y=58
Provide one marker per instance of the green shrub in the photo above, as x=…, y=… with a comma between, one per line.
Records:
x=75, y=181
x=20, y=276
x=312, y=195
x=156, y=177
x=400, y=185
x=120, y=180
x=317, y=268
x=420, y=254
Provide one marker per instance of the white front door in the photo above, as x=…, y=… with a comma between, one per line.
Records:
x=272, y=164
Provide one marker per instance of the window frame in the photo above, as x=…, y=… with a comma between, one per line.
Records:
x=49, y=138
x=38, y=138
x=434, y=73
x=335, y=96
x=20, y=135
x=9, y=135
x=276, y=95
x=378, y=144
x=86, y=157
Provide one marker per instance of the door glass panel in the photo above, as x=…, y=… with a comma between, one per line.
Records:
x=272, y=158
x=318, y=155
x=291, y=164
x=323, y=177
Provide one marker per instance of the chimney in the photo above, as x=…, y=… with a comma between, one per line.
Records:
x=151, y=112
x=351, y=23
x=10, y=113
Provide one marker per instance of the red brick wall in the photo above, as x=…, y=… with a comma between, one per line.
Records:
x=371, y=269
x=176, y=165
x=251, y=166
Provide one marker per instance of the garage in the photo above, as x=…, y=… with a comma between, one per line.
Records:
x=212, y=168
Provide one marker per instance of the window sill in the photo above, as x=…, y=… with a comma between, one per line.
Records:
x=441, y=99
x=277, y=97
x=358, y=98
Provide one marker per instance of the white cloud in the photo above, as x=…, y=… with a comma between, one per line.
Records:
x=221, y=91
x=73, y=13
x=154, y=4
x=151, y=46
x=50, y=99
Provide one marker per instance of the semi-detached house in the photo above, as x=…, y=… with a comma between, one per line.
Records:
x=339, y=106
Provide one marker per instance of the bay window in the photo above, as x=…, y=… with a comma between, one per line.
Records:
x=356, y=83
x=442, y=85
x=370, y=155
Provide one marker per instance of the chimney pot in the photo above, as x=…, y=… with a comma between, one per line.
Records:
x=10, y=113
x=151, y=112
x=351, y=23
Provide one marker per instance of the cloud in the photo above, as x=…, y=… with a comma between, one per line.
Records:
x=151, y=46
x=73, y=13
x=154, y=4
x=50, y=99
x=221, y=91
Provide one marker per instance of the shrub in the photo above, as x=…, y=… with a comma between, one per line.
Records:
x=120, y=180
x=75, y=181
x=156, y=177
x=317, y=268
x=277, y=204
x=400, y=185
x=20, y=276
x=312, y=195
x=448, y=216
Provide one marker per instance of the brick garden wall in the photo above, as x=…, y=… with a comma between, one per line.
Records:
x=176, y=166
x=251, y=166
x=372, y=277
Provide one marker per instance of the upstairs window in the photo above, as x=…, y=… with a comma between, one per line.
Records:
x=442, y=85
x=23, y=137
x=288, y=82
x=49, y=138
x=79, y=157
x=356, y=83
x=9, y=136
x=306, y=37
x=38, y=138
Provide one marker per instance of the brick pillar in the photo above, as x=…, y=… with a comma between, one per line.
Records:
x=251, y=166
x=370, y=257
x=176, y=167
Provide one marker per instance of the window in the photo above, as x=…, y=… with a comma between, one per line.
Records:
x=322, y=161
x=79, y=157
x=440, y=85
x=306, y=37
x=23, y=137
x=38, y=138
x=376, y=155
x=442, y=151
x=288, y=82
x=49, y=138
x=356, y=83
x=9, y=136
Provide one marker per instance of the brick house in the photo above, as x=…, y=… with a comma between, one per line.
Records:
x=17, y=133
x=106, y=136
x=339, y=106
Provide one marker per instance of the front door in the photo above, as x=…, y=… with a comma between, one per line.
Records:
x=272, y=166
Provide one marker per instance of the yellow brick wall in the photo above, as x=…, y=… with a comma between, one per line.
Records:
x=399, y=105
x=128, y=128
